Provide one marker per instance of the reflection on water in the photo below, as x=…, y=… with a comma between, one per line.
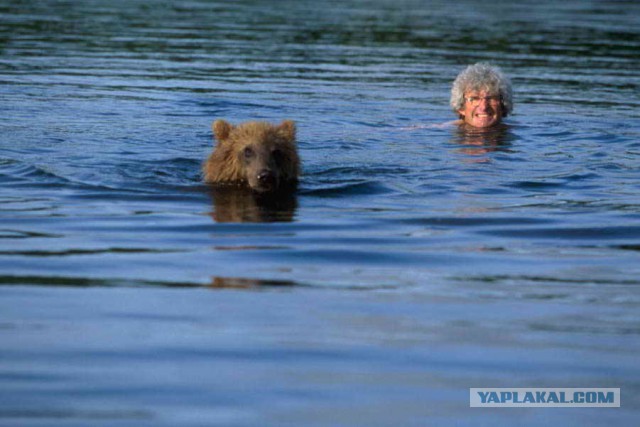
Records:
x=239, y=283
x=240, y=204
x=476, y=141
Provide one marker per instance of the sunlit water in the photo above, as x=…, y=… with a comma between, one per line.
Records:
x=414, y=262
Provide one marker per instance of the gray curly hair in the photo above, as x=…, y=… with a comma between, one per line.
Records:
x=482, y=77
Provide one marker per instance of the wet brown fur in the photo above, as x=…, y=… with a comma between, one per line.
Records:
x=272, y=149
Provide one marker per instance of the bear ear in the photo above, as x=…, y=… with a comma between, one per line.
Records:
x=221, y=129
x=287, y=129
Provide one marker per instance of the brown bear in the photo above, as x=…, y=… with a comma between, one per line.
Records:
x=259, y=155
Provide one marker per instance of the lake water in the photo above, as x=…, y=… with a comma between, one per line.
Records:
x=413, y=263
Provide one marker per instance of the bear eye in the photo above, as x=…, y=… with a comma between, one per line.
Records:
x=248, y=152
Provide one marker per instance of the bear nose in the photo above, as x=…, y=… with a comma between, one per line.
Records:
x=266, y=176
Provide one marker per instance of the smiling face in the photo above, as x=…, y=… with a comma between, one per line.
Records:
x=481, y=109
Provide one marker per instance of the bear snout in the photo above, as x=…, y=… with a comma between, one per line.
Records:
x=267, y=179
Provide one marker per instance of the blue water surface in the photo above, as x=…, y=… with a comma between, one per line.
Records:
x=414, y=262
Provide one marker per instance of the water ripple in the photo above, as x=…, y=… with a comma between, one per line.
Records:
x=573, y=233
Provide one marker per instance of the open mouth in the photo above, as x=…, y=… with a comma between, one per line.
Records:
x=485, y=117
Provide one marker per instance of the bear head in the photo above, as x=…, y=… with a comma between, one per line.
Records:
x=260, y=155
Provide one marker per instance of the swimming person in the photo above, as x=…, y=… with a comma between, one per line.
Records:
x=481, y=95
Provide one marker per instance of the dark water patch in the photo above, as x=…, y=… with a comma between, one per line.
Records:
x=526, y=279
x=27, y=377
x=566, y=327
x=21, y=234
x=537, y=185
x=77, y=252
x=214, y=106
x=152, y=193
x=26, y=172
x=86, y=282
x=344, y=171
x=574, y=233
x=215, y=283
x=171, y=177
x=474, y=221
x=566, y=182
x=347, y=189
x=337, y=256
x=578, y=206
x=240, y=283
x=72, y=415
x=632, y=247
x=273, y=229
x=53, y=281
x=579, y=177
x=250, y=248
x=163, y=173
